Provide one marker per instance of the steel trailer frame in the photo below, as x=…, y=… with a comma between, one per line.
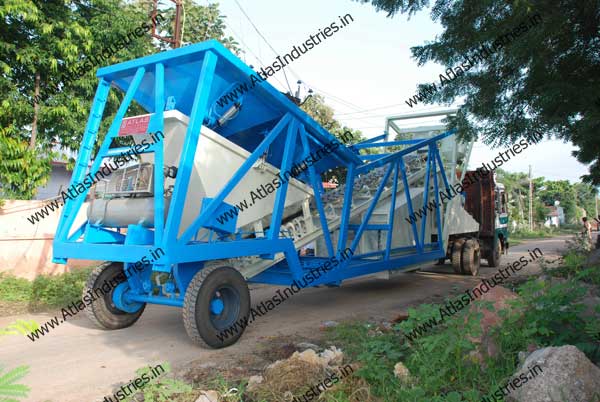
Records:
x=151, y=82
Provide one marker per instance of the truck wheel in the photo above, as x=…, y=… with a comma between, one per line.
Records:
x=456, y=259
x=102, y=310
x=471, y=257
x=494, y=258
x=216, y=299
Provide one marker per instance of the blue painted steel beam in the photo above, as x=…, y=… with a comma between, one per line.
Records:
x=317, y=186
x=411, y=211
x=374, y=156
x=387, y=144
x=392, y=210
x=286, y=164
x=426, y=194
x=343, y=230
x=159, y=180
x=188, y=151
x=437, y=199
x=370, y=227
x=371, y=140
x=165, y=301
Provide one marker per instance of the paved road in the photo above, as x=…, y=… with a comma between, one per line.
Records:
x=77, y=362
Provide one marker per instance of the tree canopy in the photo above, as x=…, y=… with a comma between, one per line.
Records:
x=545, y=79
x=49, y=54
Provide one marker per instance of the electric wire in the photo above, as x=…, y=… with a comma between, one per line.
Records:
x=239, y=37
x=266, y=41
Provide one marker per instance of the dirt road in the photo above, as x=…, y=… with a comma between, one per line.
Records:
x=77, y=362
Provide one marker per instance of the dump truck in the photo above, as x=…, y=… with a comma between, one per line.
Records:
x=193, y=199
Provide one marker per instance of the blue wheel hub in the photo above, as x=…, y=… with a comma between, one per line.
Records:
x=122, y=302
x=216, y=306
x=224, y=307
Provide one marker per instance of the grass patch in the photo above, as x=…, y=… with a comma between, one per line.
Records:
x=46, y=291
x=544, y=233
x=14, y=289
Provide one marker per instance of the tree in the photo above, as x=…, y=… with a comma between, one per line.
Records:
x=21, y=171
x=562, y=191
x=516, y=187
x=540, y=76
x=201, y=23
x=316, y=108
x=49, y=54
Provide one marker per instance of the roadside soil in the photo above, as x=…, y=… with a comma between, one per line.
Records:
x=78, y=362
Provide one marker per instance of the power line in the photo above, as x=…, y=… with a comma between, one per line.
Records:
x=370, y=110
x=253, y=54
x=389, y=106
x=265, y=39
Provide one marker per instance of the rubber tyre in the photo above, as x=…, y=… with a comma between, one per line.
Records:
x=197, y=320
x=495, y=256
x=456, y=257
x=102, y=311
x=471, y=257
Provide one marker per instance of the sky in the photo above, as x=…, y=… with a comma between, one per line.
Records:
x=365, y=65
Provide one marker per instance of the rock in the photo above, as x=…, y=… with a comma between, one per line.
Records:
x=561, y=374
x=386, y=326
x=329, y=324
x=402, y=373
x=309, y=356
x=400, y=317
x=332, y=356
x=208, y=396
x=307, y=345
x=499, y=296
x=254, y=381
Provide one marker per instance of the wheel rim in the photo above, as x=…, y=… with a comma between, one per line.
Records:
x=224, y=307
x=120, y=304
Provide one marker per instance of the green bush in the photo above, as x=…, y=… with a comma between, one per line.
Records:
x=547, y=314
x=46, y=291
x=58, y=290
x=14, y=289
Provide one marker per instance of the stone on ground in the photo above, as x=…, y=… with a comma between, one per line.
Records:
x=567, y=375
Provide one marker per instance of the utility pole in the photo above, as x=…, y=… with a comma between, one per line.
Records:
x=530, y=201
x=178, y=24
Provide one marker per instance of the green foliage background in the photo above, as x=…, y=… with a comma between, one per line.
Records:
x=40, y=42
x=546, y=80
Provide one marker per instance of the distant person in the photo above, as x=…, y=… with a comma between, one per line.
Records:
x=587, y=229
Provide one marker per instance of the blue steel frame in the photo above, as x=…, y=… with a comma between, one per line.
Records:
x=296, y=135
